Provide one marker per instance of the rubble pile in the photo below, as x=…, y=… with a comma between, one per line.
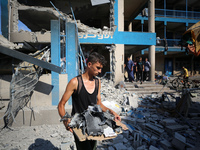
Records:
x=154, y=124
x=4, y=42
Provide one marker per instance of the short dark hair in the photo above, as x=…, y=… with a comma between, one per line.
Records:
x=95, y=57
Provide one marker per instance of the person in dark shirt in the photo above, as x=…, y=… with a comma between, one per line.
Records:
x=147, y=67
x=139, y=70
x=129, y=67
x=85, y=91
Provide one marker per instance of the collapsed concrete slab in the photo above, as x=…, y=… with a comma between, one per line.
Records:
x=4, y=42
x=38, y=19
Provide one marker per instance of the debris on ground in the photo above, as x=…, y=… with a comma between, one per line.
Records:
x=155, y=122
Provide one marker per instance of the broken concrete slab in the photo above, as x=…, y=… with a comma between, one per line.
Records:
x=4, y=42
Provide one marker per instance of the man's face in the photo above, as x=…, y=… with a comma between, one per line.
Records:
x=191, y=48
x=95, y=68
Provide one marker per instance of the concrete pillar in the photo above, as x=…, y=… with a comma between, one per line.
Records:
x=186, y=8
x=130, y=27
x=13, y=16
x=151, y=28
x=55, y=59
x=72, y=51
x=119, y=51
x=4, y=18
x=119, y=63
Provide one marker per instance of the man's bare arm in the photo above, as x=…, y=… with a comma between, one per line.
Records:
x=71, y=87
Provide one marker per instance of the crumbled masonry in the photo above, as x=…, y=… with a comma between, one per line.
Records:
x=151, y=121
x=41, y=32
x=157, y=121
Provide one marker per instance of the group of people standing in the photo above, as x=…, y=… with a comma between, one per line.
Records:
x=140, y=68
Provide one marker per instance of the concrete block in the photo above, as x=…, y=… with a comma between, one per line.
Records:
x=153, y=148
x=154, y=129
x=146, y=137
x=54, y=135
x=118, y=139
x=126, y=134
x=166, y=144
x=111, y=148
x=177, y=127
x=140, y=121
x=154, y=138
x=130, y=148
x=120, y=146
x=129, y=120
x=167, y=122
x=143, y=147
x=180, y=137
x=146, y=115
x=178, y=144
x=136, y=140
x=154, y=116
x=125, y=141
x=130, y=138
x=133, y=101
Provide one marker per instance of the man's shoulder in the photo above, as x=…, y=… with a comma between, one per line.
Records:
x=73, y=81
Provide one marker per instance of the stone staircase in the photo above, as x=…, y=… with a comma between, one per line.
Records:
x=147, y=88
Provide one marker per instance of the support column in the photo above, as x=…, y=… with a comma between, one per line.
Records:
x=165, y=8
x=151, y=28
x=130, y=27
x=55, y=59
x=119, y=51
x=186, y=9
x=4, y=18
x=165, y=29
x=72, y=53
x=142, y=25
x=186, y=26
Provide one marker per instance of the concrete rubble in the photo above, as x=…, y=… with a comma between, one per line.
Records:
x=42, y=16
x=4, y=42
x=150, y=126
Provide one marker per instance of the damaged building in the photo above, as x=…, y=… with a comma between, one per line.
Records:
x=114, y=28
x=65, y=32
x=71, y=29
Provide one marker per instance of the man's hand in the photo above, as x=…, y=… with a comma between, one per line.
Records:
x=66, y=123
x=117, y=117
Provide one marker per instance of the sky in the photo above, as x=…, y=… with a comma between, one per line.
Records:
x=20, y=24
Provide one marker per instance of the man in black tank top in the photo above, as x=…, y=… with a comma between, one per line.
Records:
x=85, y=91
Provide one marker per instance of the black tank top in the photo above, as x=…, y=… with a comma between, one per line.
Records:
x=81, y=99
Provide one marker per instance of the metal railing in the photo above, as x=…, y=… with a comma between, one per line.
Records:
x=173, y=13
x=177, y=13
x=170, y=42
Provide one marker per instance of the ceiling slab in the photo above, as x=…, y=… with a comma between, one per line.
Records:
x=37, y=18
x=132, y=8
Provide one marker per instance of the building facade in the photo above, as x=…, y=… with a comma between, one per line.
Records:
x=114, y=28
